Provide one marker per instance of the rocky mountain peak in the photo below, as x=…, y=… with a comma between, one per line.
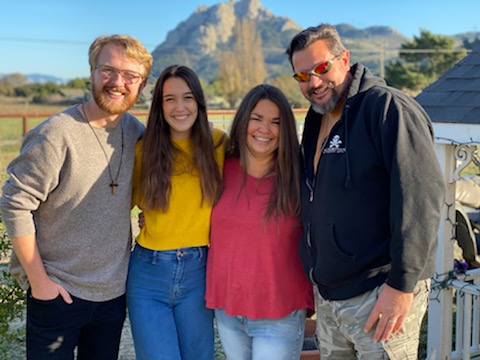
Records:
x=212, y=26
x=200, y=40
x=249, y=9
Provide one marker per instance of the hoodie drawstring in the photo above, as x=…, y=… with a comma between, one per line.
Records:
x=348, y=183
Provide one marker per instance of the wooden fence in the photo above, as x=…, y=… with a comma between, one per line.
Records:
x=222, y=118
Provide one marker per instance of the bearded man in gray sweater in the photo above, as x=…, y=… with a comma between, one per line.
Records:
x=66, y=207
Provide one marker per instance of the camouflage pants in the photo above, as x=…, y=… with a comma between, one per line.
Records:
x=340, y=328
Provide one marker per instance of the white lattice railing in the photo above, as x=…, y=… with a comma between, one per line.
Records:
x=467, y=323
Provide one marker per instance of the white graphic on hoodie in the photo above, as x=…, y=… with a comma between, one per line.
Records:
x=334, y=146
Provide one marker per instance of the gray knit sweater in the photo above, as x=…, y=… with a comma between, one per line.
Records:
x=59, y=189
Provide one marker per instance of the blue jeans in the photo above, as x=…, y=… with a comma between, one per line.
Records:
x=55, y=328
x=245, y=339
x=166, y=305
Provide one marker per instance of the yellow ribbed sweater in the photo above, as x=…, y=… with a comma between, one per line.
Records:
x=186, y=223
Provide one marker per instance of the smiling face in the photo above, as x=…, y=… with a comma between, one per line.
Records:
x=111, y=93
x=263, y=131
x=180, y=108
x=325, y=91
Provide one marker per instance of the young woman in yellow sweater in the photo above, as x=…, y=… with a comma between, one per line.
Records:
x=176, y=181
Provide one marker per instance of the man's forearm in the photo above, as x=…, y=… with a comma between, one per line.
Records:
x=26, y=249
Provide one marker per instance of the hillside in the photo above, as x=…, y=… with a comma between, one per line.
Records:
x=198, y=41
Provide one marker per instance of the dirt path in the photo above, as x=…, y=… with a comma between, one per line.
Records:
x=126, y=345
x=127, y=351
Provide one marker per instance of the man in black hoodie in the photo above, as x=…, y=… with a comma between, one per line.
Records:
x=372, y=195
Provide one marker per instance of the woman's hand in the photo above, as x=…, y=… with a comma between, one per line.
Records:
x=141, y=220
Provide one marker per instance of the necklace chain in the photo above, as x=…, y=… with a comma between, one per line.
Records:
x=113, y=183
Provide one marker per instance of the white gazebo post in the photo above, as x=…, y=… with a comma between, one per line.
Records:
x=440, y=304
x=452, y=102
x=455, y=145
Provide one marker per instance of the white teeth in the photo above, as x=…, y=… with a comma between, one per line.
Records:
x=261, y=138
x=116, y=93
x=181, y=117
x=320, y=90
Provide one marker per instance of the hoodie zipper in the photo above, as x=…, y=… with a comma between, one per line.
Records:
x=311, y=186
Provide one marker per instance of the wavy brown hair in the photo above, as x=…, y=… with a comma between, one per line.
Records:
x=285, y=195
x=160, y=153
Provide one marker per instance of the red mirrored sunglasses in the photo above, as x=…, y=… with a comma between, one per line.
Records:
x=318, y=70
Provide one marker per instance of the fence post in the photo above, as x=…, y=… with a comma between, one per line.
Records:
x=439, y=334
x=25, y=124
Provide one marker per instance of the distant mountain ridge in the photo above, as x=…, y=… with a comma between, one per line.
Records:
x=41, y=78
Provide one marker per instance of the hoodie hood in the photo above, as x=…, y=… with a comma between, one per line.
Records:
x=363, y=80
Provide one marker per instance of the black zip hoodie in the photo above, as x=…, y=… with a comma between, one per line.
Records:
x=372, y=211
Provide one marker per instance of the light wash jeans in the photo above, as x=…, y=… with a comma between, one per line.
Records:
x=166, y=306
x=263, y=339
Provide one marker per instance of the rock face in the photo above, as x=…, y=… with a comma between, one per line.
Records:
x=211, y=27
x=198, y=41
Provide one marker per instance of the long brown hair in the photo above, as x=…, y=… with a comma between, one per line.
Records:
x=285, y=195
x=160, y=153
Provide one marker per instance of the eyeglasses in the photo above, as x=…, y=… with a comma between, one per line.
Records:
x=128, y=76
x=318, y=70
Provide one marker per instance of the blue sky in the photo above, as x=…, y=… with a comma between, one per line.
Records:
x=52, y=36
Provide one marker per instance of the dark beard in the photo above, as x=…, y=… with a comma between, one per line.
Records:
x=339, y=93
x=330, y=105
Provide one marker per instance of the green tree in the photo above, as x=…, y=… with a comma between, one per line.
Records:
x=9, y=82
x=406, y=76
x=471, y=44
x=6, y=88
x=37, y=89
x=78, y=83
x=244, y=66
x=230, y=77
x=15, y=79
x=422, y=61
x=12, y=301
x=212, y=92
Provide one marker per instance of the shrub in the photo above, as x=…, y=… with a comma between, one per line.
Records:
x=12, y=302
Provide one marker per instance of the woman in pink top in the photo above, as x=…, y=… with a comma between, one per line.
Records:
x=255, y=280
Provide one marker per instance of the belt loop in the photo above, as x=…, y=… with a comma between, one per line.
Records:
x=200, y=253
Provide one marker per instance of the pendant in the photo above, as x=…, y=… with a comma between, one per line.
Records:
x=113, y=185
